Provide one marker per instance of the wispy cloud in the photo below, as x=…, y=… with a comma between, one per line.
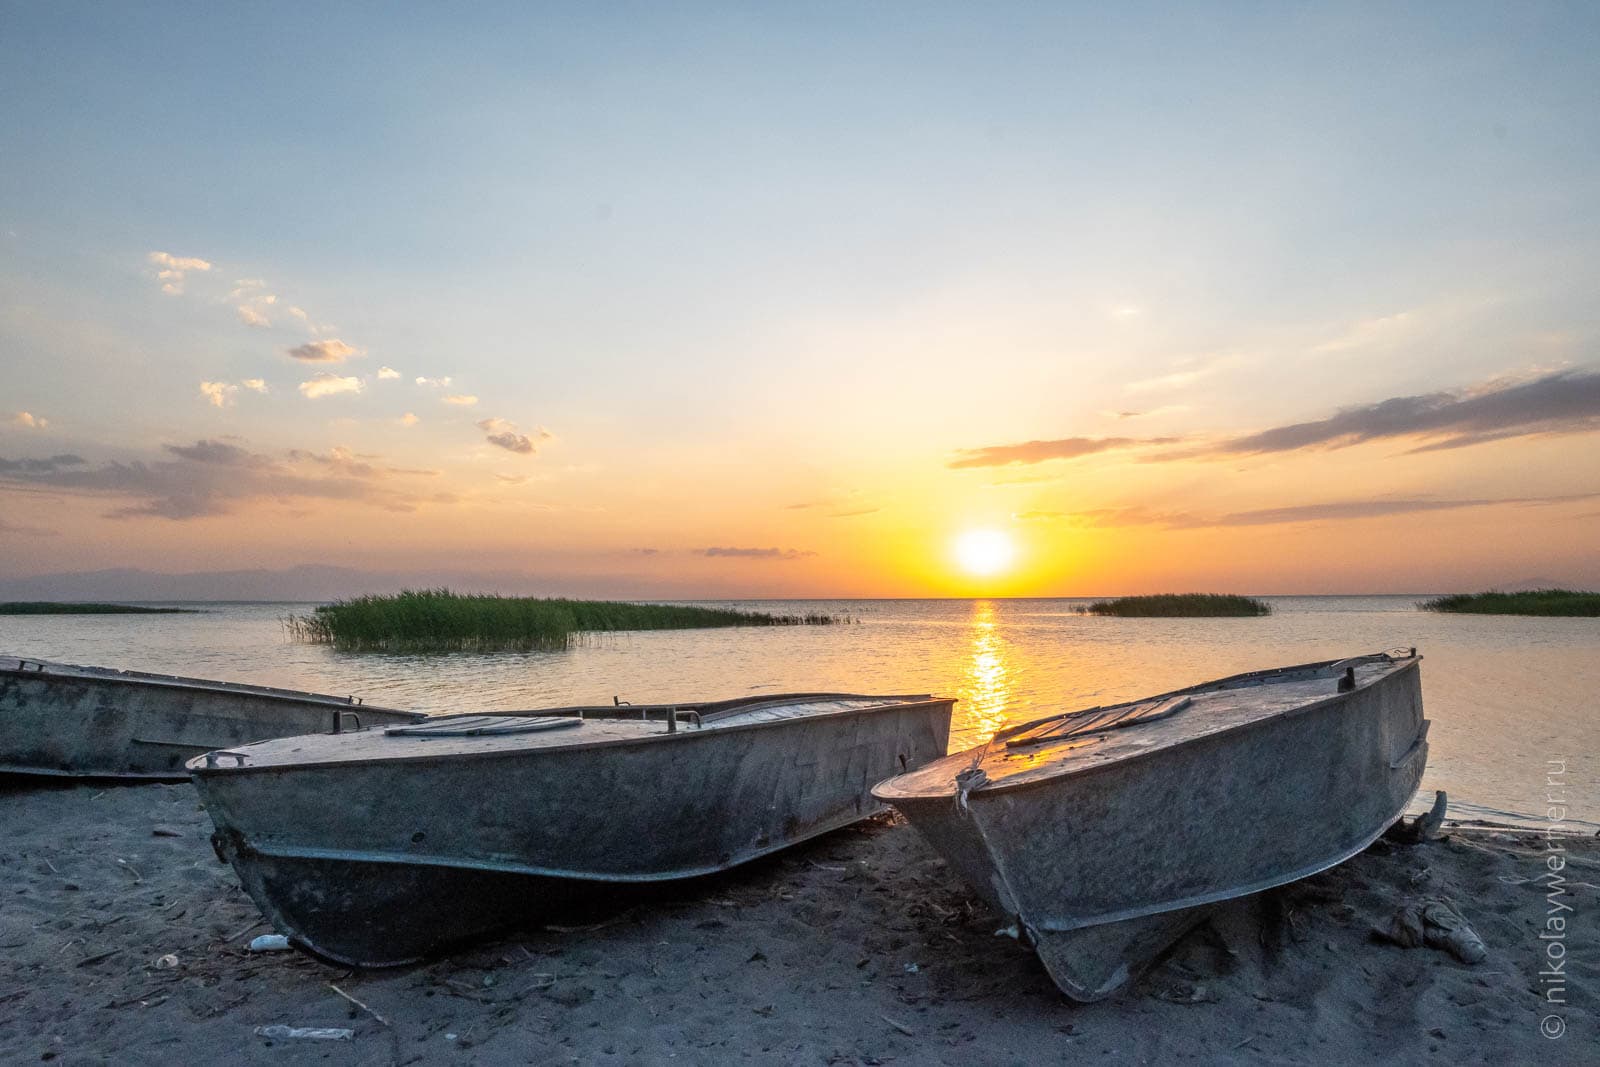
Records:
x=211, y=477
x=757, y=553
x=220, y=453
x=1040, y=451
x=462, y=400
x=222, y=394
x=17, y=530
x=338, y=459
x=409, y=419
x=503, y=434
x=434, y=383
x=1325, y=511
x=253, y=301
x=1165, y=409
x=1382, y=329
x=327, y=384
x=838, y=504
x=171, y=270
x=29, y=421
x=302, y=316
x=512, y=442
x=833, y=510
x=218, y=394
x=1563, y=402
x=387, y=374
x=332, y=350
x=48, y=465
x=1367, y=509
x=1185, y=372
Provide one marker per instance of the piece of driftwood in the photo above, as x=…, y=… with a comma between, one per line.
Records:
x=360, y=1004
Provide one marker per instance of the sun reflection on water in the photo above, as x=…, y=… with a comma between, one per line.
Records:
x=986, y=683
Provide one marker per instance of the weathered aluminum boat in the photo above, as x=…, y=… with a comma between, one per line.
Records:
x=1106, y=834
x=94, y=722
x=385, y=846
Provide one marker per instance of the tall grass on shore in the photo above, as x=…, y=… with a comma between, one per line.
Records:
x=1532, y=602
x=438, y=620
x=1179, y=605
x=51, y=607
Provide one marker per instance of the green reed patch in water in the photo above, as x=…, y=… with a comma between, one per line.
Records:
x=51, y=607
x=1533, y=602
x=1180, y=605
x=438, y=620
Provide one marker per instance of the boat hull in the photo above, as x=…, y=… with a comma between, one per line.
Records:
x=384, y=862
x=60, y=721
x=1104, y=868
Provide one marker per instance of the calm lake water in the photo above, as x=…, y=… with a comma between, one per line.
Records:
x=1506, y=694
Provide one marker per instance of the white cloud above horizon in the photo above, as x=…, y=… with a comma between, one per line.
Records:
x=171, y=270
x=218, y=394
x=328, y=384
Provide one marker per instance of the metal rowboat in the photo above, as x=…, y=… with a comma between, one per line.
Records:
x=1106, y=834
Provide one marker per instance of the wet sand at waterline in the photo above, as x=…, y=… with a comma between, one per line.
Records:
x=121, y=944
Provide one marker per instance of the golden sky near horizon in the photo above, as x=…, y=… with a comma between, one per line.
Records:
x=1305, y=305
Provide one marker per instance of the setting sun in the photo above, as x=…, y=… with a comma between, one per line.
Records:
x=984, y=552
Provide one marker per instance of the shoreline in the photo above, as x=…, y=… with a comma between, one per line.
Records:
x=124, y=941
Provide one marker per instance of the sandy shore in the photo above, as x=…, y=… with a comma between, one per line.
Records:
x=122, y=939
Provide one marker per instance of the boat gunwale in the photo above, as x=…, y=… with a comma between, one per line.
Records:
x=1010, y=786
x=625, y=711
x=66, y=672
x=198, y=769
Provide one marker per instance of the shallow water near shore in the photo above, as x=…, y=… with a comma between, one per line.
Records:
x=1514, y=700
